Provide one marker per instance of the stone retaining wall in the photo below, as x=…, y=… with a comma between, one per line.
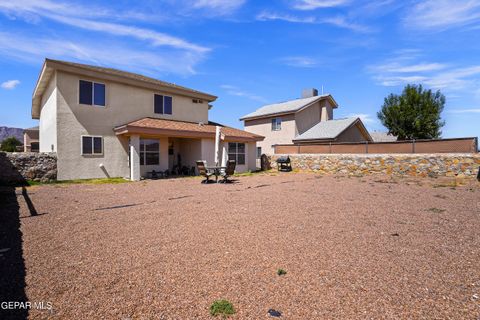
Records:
x=432, y=165
x=18, y=167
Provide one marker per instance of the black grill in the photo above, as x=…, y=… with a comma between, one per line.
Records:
x=283, y=164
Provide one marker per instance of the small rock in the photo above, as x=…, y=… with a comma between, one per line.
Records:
x=274, y=313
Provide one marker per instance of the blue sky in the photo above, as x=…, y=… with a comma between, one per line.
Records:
x=250, y=53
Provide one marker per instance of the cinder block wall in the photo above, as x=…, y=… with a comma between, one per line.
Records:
x=432, y=165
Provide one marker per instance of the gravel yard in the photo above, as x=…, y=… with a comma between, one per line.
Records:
x=359, y=247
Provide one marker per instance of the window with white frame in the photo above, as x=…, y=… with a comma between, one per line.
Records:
x=276, y=124
x=259, y=152
x=162, y=104
x=91, y=93
x=149, y=152
x=92, y=145
x=236, y=151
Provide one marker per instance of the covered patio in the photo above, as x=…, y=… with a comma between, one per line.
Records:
x=159, y=145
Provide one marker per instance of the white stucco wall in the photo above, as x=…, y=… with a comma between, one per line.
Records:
x=48, y=118
x=263, y=127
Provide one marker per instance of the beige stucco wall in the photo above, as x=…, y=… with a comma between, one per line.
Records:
x=263, y=127
x=29, y=137
x=48, y=118
x=123, y=104
x=292, y=125
x=352, y=134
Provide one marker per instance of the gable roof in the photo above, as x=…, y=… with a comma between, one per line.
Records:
x=286, y=107
x=379, y=136
x=50, y=65
x=184, y=129
x=329, y=130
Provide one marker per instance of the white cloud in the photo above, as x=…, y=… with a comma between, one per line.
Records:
x=299, y=61
x=218, y=7
x=438, y=15
x=10, y=84
x=342, y=22
x=405, y=68
x=236, y=91
x=316, y=4
x=75, y=15
x=338, y=21
x=464, y=111
x=155, y=38
x=266, y=16
x=366, y=118
x=33, y=49
x=151, y=52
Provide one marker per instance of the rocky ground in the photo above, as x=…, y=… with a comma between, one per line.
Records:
x=358, y=247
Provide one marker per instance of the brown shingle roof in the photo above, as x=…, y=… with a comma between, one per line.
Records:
x=154, y=126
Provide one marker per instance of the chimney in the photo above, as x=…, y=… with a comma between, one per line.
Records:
x=310, y=92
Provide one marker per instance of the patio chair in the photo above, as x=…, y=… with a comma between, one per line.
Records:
x=202, y=170
x=229, y=171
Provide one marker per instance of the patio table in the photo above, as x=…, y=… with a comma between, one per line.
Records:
x=216, y=170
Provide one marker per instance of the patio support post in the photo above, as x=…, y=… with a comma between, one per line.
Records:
x=135, y=157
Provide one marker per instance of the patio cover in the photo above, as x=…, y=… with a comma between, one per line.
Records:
x=183, y=129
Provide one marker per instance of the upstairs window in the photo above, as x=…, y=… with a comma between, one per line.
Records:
x=162, y=104
x=92, y=93
x=276, y=124
x=236, y=151
x=92, y=145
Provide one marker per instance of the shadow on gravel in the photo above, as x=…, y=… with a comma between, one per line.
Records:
x=12, y=265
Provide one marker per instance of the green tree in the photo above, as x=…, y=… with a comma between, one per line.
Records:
x=10, y=144
x=415, y=114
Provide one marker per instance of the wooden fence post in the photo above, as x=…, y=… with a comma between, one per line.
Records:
x=413, y=146
x=330, y=147
x=366, y=146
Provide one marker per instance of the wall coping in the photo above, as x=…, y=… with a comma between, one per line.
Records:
x=371, y=155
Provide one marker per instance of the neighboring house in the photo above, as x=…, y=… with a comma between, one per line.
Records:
x=379, y=136
x=31, y=139
x=305, y=120
x=104, y=122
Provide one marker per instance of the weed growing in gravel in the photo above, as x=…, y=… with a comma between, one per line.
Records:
x=436, y=210
x=222, y=307
x=281, y=272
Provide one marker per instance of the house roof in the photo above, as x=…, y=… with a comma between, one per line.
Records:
x=130, y=78
x=378, y=136
x=172, y=128
x=286, y=107
x=329, y=130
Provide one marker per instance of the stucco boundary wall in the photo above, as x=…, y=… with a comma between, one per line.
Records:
x=17, y=167
x=422, y=165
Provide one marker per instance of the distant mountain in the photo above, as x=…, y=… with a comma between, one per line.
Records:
x=6, y=132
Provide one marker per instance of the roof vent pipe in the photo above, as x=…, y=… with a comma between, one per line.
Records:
x=310, y=92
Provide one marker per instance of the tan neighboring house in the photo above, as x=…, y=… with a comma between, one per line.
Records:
x=31, y=139
x=305, y=120
x=104, y=122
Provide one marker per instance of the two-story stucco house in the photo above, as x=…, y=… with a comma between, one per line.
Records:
x=104, y=122
x=305, y=120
